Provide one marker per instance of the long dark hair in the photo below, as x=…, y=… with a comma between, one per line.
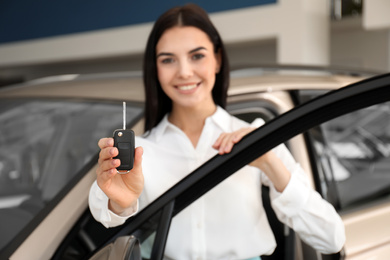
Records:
x=157, y=102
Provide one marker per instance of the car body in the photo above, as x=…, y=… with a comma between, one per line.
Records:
x=79, y=109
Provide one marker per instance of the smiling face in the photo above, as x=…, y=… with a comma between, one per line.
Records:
x=186, y=67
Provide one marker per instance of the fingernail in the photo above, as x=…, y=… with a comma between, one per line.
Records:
x=112, y=171
x=115, y=162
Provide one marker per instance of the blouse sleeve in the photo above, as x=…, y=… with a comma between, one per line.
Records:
x=98, y=205
x=303, y=209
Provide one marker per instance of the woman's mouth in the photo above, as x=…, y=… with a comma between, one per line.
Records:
x=187, y=87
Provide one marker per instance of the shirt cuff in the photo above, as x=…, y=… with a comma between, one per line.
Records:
x=129, y=212
x=258, y=122
x=98, y=204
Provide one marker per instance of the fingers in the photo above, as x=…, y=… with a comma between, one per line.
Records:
x=104, y=177
x=107, y=153
x=106, y=142
x=226, y=141
x=107, y=165
x=107, y=169
x=121, y=189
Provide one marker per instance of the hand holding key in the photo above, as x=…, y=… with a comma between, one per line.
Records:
x=119, y=174
x=123, y=190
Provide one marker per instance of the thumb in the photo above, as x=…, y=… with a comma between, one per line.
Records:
x=138, y=152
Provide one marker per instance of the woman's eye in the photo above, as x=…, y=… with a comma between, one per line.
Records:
x=197, y=56
x=167, y=60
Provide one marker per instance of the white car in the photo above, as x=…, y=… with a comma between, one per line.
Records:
x=49, y=130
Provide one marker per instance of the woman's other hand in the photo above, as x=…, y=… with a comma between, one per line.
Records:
x=268, y=163
x=226, y=141
x=123, y=190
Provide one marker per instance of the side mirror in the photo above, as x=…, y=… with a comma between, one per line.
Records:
x=124, y=248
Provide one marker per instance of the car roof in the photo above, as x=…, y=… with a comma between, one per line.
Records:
x=112, y=86
x=129, y=85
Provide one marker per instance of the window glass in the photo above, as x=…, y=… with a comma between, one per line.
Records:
x=43, y=145
x=354, y=156
x=250, y=110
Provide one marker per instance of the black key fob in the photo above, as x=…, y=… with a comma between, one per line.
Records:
x=124, y=141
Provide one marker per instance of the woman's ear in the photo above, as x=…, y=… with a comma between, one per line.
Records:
x=218, y=58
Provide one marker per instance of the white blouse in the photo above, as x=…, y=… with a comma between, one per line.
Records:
x=228, y=222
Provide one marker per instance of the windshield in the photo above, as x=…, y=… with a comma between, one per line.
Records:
x=43, y=146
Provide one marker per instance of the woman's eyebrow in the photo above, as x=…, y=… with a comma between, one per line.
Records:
x=164, y=54
x=171, y=54
x=197, y=49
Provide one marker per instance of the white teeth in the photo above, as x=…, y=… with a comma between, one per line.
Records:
x=188, y=87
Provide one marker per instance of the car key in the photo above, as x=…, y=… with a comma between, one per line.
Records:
x=124, y=141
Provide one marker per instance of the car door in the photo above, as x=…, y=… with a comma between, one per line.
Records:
x=152, y=224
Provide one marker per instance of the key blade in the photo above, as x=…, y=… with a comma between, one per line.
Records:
x=124, y=115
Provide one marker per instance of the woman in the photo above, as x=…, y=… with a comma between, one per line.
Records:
x=186, y=76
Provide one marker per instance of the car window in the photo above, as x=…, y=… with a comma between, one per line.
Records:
x=43, y=145
x=353, y=155
x=251, y=110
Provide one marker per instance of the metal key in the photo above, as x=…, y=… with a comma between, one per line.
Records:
x=124, y=141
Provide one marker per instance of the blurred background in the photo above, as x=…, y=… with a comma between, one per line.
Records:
x=44, y=38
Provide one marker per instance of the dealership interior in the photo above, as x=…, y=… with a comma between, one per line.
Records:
x=313, y=74
x=45, y=39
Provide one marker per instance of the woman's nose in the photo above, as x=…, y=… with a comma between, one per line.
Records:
x=185, y=69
